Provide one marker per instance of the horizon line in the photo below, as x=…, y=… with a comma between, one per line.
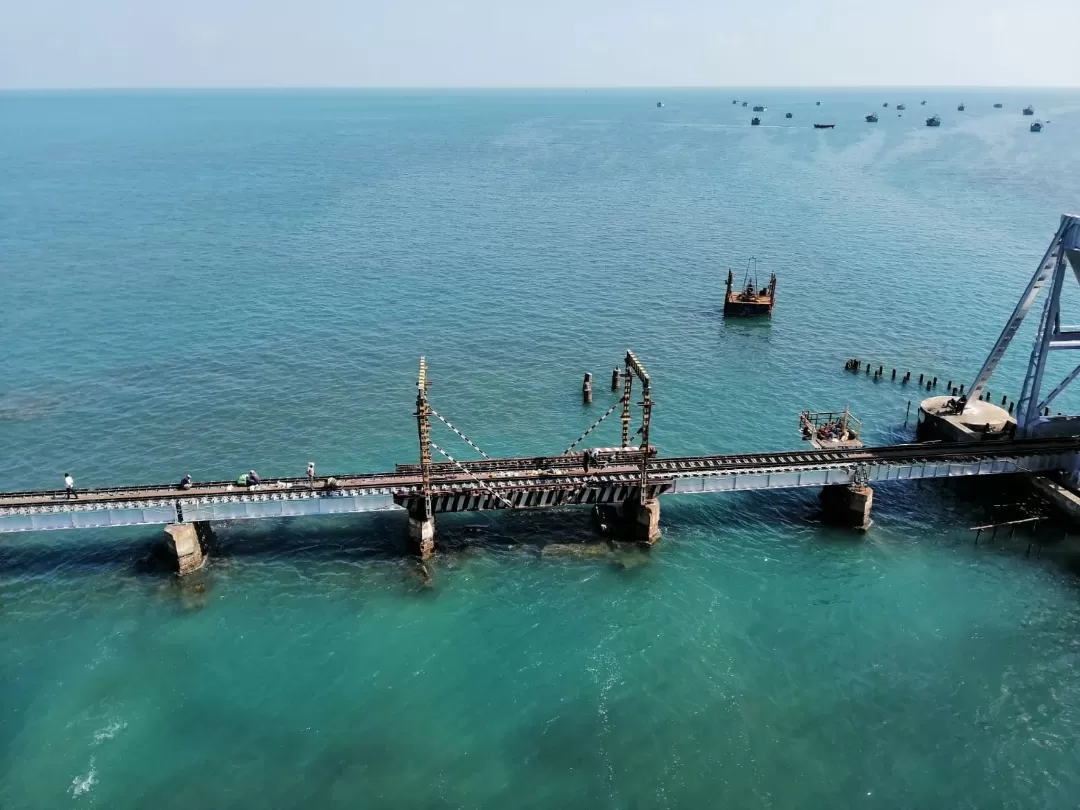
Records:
x=582, y=87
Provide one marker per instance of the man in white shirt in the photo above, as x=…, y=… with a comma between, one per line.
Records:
x=69, y=486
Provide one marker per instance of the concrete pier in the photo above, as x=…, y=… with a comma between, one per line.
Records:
x=185, y=543
x=848, y=506
x=980, y=421
x=421, y=535
x=630, y=521
x=642, y=520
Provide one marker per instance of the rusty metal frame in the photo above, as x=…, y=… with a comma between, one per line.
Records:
x=634, y=368
x=423, y=428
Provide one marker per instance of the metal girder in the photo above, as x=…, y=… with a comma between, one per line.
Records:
x=1049, y=335
x=633, y=365
x=793, y=478
x=1047, y=266
x=1060, y=387
x=423, y=428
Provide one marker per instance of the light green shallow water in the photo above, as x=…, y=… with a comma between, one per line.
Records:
x=208, y=282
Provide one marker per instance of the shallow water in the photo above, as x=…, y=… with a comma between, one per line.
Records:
x=206, y=282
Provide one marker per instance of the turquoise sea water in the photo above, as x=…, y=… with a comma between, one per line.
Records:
x=207, y=282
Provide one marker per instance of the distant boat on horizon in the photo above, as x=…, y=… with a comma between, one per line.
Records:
x=824, y=126
x=960, y=108
x=788, y=115
x=871, y=118
x=1036, y=126
x=759, y=108
x=933, y=121
x=997, y=106
x=901, y=106
x=1029, y=110
x=755, y=121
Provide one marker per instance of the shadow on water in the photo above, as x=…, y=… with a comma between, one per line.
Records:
x=566, y=533
x=357, y=539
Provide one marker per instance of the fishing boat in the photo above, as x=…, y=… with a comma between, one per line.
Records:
x=734, y=101
x=749, y=299
x=759, y=108
x=933, y=121
x=960, y=108
x=744, y=103
x=871, y=118
x=818, y=103
x=1036, y=126
x=923, y=103
x=659, y=104
x=901, y=106
x=788, y=115
x=1029, y=110
x=824, y=126
x=997, y=106
x=886, y=104
x=755, y=121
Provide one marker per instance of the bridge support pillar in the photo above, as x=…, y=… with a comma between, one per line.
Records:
x=185, y=542
x=421, y=534
x=848, y=506
x=643, y=520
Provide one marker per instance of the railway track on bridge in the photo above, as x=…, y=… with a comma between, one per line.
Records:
x=553, y=471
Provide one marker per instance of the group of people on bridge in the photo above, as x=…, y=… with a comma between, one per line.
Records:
x=248, y=479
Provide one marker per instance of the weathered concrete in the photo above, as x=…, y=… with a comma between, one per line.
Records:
x=848, y=506
x=422, y=536
x=935, y=421
x=630, y=521
x=643, y=520
x=1063, y=500
x=183, y=542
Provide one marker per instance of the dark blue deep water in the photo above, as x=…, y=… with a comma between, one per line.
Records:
x=208, y=282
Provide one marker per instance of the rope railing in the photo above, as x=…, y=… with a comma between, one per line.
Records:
x=465, y=438
x=461, y=467
x=592, y=427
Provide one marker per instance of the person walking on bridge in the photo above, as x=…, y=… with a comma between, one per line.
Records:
x=311, y=475
x=69, y=486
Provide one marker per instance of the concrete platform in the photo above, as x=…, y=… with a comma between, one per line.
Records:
x=1064, y=501
x=980, y=421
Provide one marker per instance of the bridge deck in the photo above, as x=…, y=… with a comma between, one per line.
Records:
x=526, y=483
x=497, y=472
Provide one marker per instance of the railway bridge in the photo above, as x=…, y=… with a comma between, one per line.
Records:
x=623, y=484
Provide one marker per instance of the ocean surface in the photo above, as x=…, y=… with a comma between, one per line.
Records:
x=205, y=282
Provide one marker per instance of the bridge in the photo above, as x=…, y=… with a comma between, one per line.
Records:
x=623, y=484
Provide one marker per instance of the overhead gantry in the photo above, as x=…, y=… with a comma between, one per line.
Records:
x=638, y=512
x=643, y=515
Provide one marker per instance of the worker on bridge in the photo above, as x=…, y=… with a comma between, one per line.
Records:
x=69, y=486
x=311, y=474
x=590, y=458
x=249, y=479
x=185, y=482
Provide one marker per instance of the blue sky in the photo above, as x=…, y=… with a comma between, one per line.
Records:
x=554, y=43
